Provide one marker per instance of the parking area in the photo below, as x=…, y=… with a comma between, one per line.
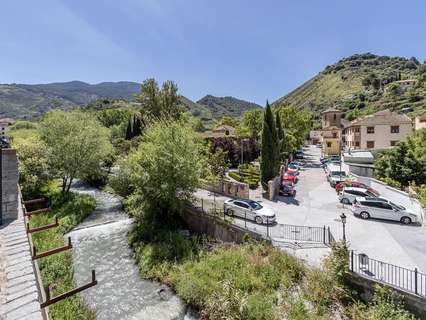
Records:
x=316, y=204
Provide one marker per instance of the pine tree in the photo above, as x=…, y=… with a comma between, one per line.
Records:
x=270, y=160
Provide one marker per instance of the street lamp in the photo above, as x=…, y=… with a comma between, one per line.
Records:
x=343, y=219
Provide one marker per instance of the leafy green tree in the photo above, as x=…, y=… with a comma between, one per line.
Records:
x=228, y=121
x=296, y=125
x=76, y=145
x=166, y=169
x=32, y=165
x=159, y=103
x=252, y=123
x=269, y=151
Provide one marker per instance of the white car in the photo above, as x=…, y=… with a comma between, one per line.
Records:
x=249, y=209
x=381, y=208
x=349, y=194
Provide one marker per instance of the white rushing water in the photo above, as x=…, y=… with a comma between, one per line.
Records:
x=100, y=243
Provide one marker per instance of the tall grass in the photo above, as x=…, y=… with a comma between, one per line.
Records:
x=57, y=269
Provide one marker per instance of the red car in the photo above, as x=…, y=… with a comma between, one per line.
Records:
x=357, y=184
x=290, y=176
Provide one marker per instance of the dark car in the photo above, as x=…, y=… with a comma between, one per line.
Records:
x=287, y=189
x=298, y=155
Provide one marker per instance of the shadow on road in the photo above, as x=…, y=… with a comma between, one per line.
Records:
x=288, y=200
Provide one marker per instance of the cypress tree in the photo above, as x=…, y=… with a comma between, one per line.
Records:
x=129, y=129
x=269, y=161
x=280, y=136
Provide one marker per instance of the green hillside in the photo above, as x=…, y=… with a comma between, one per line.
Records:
x=226, y=106
x=363, y=83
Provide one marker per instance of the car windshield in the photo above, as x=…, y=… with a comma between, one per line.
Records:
x=292, y=165
x=255, y=205
x=338, y=173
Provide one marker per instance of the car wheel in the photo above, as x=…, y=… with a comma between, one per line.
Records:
x=346, y=201
x=230, y=212
x=364, y=215
x=405, y=220
x=258, y=220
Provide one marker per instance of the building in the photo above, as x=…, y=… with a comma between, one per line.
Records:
x=420, y=122
x=219, y=132
x=360, y=162
x=315, y=136
x=5, y=124
x=381, y=130
x=401, y=84
x=331, y=132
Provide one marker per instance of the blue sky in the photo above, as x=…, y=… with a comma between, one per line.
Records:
x=255, y=50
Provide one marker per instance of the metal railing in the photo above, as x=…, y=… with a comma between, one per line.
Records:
x=275, y=231
x=408, y=280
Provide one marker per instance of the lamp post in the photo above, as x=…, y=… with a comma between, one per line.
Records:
x=343, y=219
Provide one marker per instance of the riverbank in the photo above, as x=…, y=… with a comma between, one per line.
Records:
x=100, y=242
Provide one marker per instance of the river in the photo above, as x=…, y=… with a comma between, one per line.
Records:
x=100, y=243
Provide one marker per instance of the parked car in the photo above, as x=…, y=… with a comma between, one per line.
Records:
x=292, y=167
x=330, y=159
x=290, y=176
x=287, y=188
x=336, y=177
x=381, y=208
x=349, y=194
x=249, y=209
x=298, y=155
x=357, y=184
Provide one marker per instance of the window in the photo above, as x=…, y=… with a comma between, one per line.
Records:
x=356, y=143
x=328, y=144
x=394, y=129
x=241, y=204
x=370, y=129
x=370, y=144
x=334, y=135
x=394, y=143
x=357, y=129
x=386, y=206
x=334, y=116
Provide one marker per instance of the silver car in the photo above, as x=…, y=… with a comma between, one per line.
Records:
x=381, y=208
x=249, y=209
x=349, y=194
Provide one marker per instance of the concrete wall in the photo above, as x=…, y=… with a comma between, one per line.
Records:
x=365, y=286
x=216, y=228
x=9, y=180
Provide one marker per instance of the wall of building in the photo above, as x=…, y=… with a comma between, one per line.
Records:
x=382, y=135
x=9, y=181
x=419, y=123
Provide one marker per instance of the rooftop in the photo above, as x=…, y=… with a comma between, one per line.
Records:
x=382, y=117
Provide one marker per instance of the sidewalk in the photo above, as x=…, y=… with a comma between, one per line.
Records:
x=18, y=289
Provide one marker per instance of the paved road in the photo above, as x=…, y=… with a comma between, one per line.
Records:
x=316, y=204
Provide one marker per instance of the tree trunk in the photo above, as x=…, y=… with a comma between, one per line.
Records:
x=69, y=185
x=64, y=184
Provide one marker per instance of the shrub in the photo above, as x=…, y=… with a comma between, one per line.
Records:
x=239, y=281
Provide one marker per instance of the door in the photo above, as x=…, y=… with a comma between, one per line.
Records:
x=391, y=213
x=386, y=211
x=241, y=209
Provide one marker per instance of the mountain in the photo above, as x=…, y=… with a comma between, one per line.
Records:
x=30, y=101
x=363, y=84
x=25, y=101
x=226, y=106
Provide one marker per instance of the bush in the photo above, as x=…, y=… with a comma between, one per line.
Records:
x=240, y=281
x=120, y=180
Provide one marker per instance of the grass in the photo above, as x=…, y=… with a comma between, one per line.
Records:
x=247, y=173
x=57, y=269
x=255, y=280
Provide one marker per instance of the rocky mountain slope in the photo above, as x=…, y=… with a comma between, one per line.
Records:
x=362, y=84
